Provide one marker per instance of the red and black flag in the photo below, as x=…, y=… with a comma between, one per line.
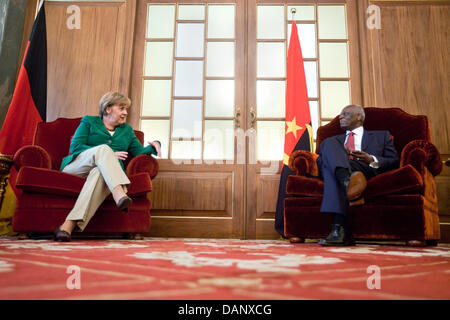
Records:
x=29, y=103
x=298, y=134
x=28, y=107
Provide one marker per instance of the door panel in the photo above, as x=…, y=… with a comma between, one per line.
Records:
x=188, y=81
x=327, y=34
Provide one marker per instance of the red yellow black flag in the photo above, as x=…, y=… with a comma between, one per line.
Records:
x=298, y=131
x=28, y=107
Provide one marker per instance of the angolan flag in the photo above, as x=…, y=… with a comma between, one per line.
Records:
x=298, y=134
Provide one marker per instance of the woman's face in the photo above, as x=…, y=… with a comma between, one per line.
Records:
x=117, y=114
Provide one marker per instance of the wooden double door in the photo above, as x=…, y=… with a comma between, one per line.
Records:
x=209, y=79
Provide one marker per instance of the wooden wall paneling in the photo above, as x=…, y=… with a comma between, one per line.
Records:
x=137, y=63
x=129, y=24
x=415, y=63
x=443, y=191
x=354, y=52
x=405, y=64
x=372, y=94
x=443, y=194
x=83, y=63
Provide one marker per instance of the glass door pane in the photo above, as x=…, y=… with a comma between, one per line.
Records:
x=161, y=21
x=189, y=78
x=221, y=21
x=190, y=39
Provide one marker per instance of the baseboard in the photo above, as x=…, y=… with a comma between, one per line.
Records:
x=445, y=232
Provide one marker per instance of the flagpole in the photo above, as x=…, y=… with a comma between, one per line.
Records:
x=39, y=3
x=293, y=11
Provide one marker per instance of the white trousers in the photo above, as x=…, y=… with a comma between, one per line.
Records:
x=102, y=170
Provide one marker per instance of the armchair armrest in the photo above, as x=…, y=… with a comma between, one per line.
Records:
x=143, y=163
x=32, y=156
x=421, y=154
x=303, y=162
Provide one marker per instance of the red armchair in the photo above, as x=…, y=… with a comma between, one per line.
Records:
x=47, y=194
x=399, y=205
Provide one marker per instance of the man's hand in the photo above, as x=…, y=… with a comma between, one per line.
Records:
x=121, y=155
x=362, y=156
x=157, y=147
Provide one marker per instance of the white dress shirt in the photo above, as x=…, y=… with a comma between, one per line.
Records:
x=358, y=134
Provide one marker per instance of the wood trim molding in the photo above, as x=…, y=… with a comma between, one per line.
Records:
x=402, y=3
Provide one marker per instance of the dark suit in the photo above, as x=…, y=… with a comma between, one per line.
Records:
x=333, y=155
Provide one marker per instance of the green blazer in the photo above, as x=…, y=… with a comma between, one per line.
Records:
x=92, y=132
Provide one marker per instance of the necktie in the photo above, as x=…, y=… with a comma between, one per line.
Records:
x=350, y=144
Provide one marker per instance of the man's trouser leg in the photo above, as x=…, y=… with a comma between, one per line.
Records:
x=333, y=154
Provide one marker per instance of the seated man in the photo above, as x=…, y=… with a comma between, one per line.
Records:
x=345, y=162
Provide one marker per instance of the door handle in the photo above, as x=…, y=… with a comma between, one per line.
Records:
x=253, y=118
x=237, y=118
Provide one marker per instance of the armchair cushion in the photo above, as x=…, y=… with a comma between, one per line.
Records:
x=304, y=162
x=421, y=154
x=33, y=156
x=37, y=180
x=405, y=180
x=143, y=163
x=304, y=186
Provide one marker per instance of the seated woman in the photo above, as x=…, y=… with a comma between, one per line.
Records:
x=98, y=147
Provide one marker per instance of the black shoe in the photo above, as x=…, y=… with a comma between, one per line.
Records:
x=124, y=203
x=61, y=235
x=338, y=237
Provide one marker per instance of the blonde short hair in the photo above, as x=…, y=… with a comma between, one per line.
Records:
x=110, y=99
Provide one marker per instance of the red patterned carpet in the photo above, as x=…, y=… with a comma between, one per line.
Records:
x=206, y=269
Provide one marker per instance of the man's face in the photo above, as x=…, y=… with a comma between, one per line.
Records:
x=349, y=118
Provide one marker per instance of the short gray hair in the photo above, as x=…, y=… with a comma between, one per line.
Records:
x=110, y=99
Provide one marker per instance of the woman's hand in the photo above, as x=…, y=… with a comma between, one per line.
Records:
x=157, y=147
x=121, y=155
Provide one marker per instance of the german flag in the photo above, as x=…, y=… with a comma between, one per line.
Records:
x=28, y=107
x=298, y=134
